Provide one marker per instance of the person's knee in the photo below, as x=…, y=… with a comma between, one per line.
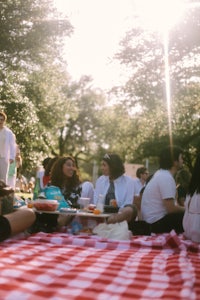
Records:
x=30, y=215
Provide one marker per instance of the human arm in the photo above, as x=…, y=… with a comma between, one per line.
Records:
x=171, y=207
x=127, y=213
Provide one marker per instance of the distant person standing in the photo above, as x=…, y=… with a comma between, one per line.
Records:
x=12, y=172
x=7, y=147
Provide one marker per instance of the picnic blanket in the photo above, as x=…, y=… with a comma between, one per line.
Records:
x=61, y=266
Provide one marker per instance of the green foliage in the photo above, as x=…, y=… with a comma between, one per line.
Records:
x=143, y=53
x=31, y=43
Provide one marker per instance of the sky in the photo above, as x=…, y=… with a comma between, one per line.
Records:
x=99, y=25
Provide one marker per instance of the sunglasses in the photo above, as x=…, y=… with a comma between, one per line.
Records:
x=106, y=156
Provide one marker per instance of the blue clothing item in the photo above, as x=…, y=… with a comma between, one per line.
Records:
x=124, y=189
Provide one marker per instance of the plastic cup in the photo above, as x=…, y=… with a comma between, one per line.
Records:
x=84, y=203
x=100, y=203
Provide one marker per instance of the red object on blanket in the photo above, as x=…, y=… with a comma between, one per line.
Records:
x=61, y=266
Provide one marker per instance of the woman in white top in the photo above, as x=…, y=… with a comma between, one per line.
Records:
x=191, y=219
x=113, y=184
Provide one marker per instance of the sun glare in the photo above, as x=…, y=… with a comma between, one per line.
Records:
x=159, y=15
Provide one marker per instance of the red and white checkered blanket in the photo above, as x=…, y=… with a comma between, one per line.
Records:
x=61, y=266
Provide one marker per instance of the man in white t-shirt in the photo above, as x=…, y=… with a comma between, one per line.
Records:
x=158, y=201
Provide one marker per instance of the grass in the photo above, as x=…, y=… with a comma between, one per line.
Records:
x=24, y=195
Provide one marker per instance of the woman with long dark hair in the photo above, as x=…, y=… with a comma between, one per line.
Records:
x=114, y=184
x=65, y=175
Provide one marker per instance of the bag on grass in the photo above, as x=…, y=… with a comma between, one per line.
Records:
x=117, y=231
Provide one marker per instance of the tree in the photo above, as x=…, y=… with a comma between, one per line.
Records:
x=143, y=53
x=31, y=43
x=79, y=134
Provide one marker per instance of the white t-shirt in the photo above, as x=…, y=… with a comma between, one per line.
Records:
x=161, y=186
x=191, y=219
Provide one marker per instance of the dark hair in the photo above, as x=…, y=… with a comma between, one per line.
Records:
x=3, y=115
x=140, y=171
x=194, y=185
x=59, y=179
x=168, y=156
x=50, y=165
x=45, y=161
x=115, y=164
x=182, y=178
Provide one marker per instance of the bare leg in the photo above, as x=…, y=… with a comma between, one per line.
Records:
x=20, y=220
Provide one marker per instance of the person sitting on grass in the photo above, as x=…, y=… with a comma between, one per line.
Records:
x=158, y=205
x=16, y=221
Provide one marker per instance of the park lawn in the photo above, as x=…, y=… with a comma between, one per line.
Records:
x=24, y=195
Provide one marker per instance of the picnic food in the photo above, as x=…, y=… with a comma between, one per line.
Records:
x=96, y=211
x=91, y=207
x=46, y=205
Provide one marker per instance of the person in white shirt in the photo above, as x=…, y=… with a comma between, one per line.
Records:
x=7, y=148
x=191, y=219
x=113, y=184
x=158, y=206
x=12, y=172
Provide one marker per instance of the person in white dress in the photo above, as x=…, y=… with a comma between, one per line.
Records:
x=7, y=148
x=191, y=219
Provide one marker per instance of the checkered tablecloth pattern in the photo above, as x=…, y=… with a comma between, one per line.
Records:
x=61, y=266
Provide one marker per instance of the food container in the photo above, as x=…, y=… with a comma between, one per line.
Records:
x=45, y=205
